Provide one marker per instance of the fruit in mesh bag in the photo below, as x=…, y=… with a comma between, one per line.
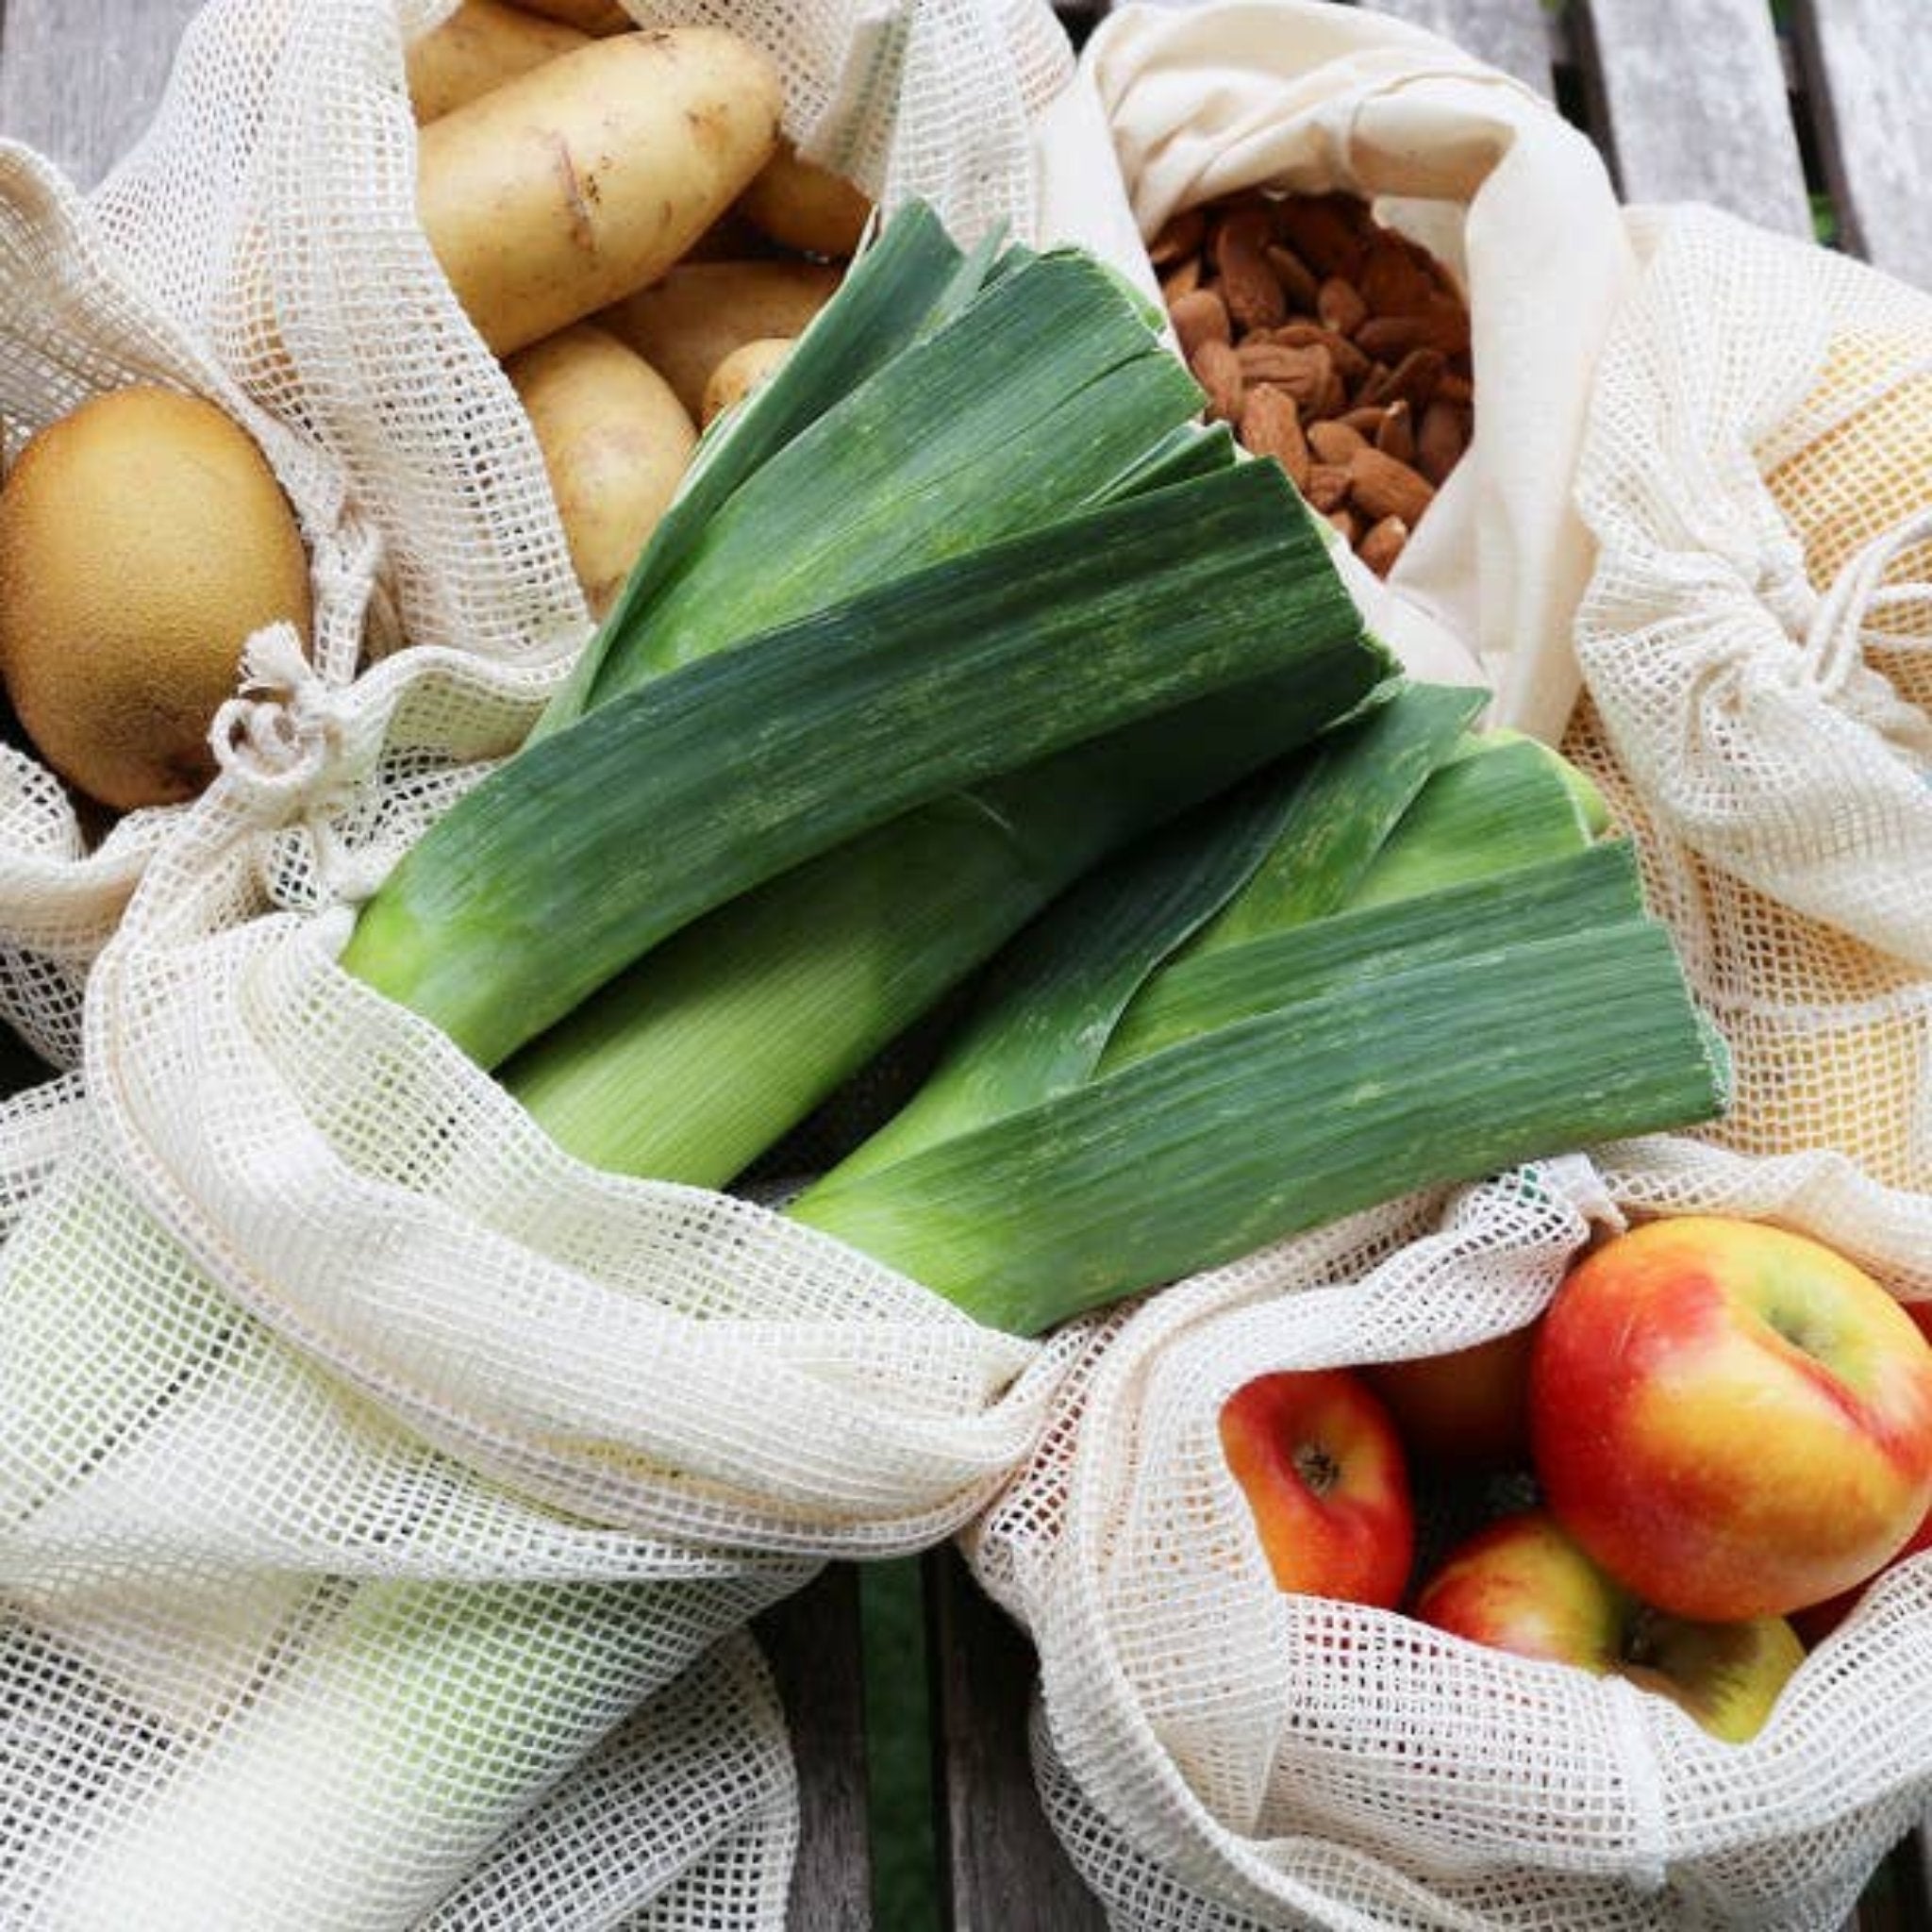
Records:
x=1467, y=1408
x=1733, y=1419
x=142, y=540
x=1525, y=1586
x=1816, y=1622
x=1323, y=1470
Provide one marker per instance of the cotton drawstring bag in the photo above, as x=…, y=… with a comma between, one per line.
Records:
x=382, y=1494
x=1216, y=1753
x=1306, y=97
x=1757, y=649
x=260, y=247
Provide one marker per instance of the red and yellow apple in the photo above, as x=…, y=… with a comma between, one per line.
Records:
x=1523, y=1584
x=1731, y=1419
x=1467, y=1408
x=1816, y=1622
x=1321, y=1467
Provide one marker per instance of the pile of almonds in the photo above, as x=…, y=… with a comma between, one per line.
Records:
x=1330, y=342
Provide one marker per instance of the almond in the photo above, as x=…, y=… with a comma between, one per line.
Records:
x=1181, y=236
x=1328, y=485
x=1383, y=544
x=1440, y=440
x=1348, y=523
x=1380, y=486
x=1181, y=281
x=1297, y=282
x=1217, y=370
x=1305, y=374
x=1325, y=230
x=1334, y=443
x=1253, y=294
x=1341, y=305
x=1349, y=359
x=1395, y=433
x=1200, y=316
x=1390, y=337
x=1392, y=282
x=1415, y=378
x=1271, y=426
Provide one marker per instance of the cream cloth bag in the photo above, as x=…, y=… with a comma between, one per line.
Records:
x=260, y=247
x=380, y=1491
x=1218, y=1756
x=1298, y=95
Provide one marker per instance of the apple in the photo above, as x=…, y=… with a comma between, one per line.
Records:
x=1815, y=1622
x=1525, y=1585
x=1733, y=1419
x=1321, y=1467
x=1468, y=1408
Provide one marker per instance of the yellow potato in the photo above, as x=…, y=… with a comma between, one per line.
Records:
x=481, y=46
x=741, y=372
x=586, y=177
x=687, y=323
x=616, y=443
x=803, y=206
x=591, y=16
x=143, y=539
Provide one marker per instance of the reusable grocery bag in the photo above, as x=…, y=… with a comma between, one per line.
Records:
x=1756, y=645
x=260, y=247
x=1297, y=96
x=1216, y=1753
x=382, y=1494
x=1746, y=503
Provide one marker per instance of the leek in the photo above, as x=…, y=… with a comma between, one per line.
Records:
x=1397, y=996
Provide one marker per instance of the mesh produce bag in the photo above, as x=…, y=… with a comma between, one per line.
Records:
x=1296, y=95
x=1216, y=1753
x=381, y=1491
x=261, y=247
x=1758, y=648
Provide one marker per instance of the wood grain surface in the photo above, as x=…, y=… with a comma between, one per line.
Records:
x=1513, y=35
x=1866, y=66
x=812, y=1643
x=1006, y=1871
x=1689, y=102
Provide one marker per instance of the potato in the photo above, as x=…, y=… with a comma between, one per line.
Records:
x=687, y=323
x=583, y=179
x=803, y=206
x=143, y=539
x=590, y=16
x=616, y=443
x=741, y=372
x=481, y=46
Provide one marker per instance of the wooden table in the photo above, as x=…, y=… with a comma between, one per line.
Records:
x=1689, y=100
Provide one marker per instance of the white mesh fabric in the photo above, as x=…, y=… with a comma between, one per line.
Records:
x=260, y=247
x=1759, y=663
x=1216, y=1754
x=369, y=1472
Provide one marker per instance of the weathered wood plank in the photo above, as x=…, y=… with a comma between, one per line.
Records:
x=80, y=78
x=1513, y=35
x=1689, y=104
x=1867, y=68
x=811, y=1640
x=1003, y=1870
